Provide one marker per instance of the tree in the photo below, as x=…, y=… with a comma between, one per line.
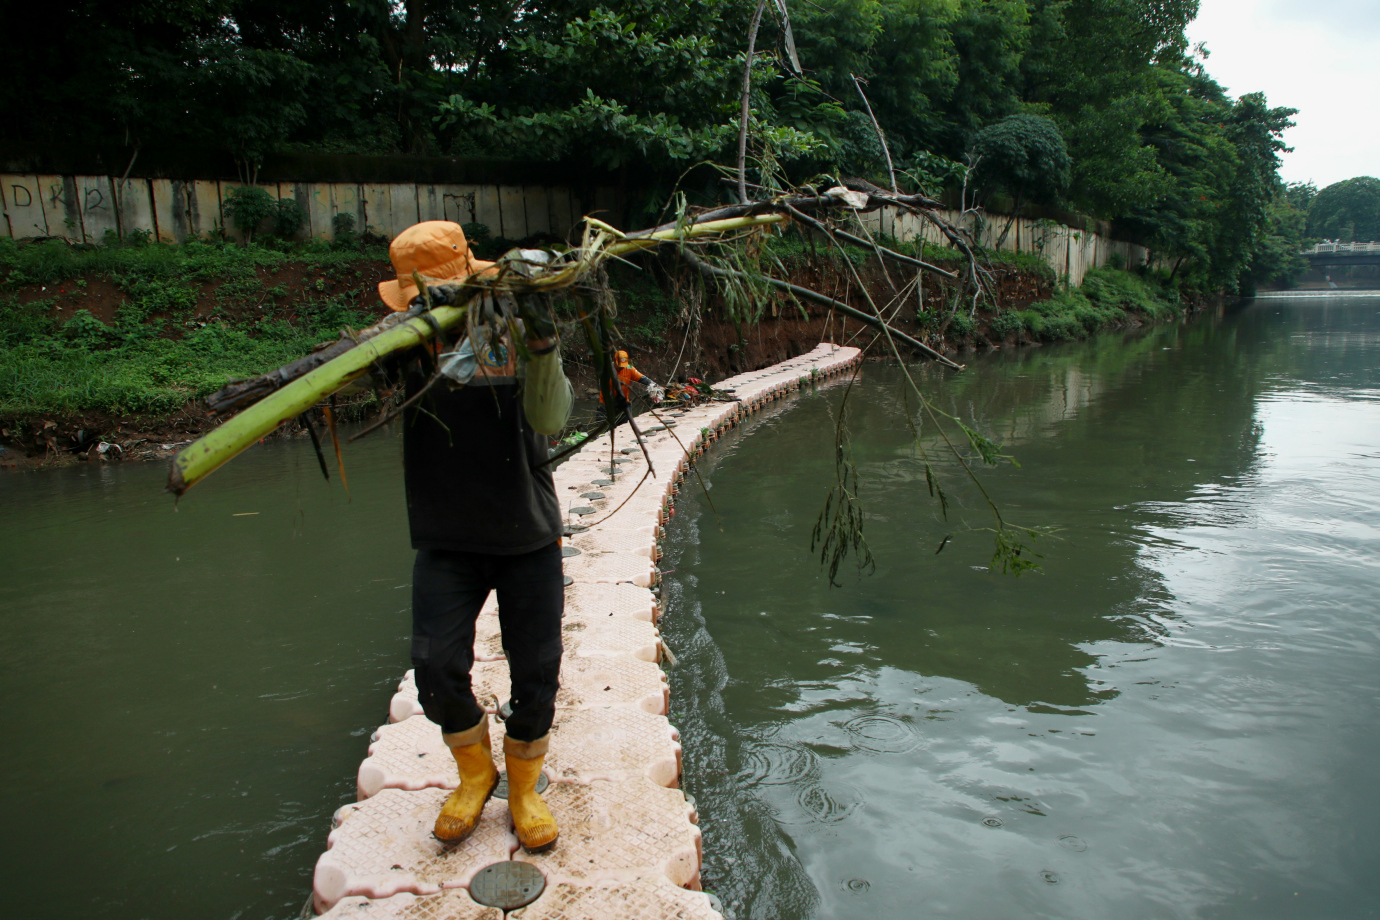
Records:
x=1347, y=210
x=1277, y=259
x=1094, y=67
x=1148, y=137
x=1025, y=156
x=1219, y=159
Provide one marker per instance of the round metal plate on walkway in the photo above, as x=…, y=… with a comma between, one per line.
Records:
x=592, y=496
x=582, y=510
x=507, y=885
x=602, y=482
x=628, y=450
x=501, y=790
x=572, y=529
x=568, y=582
x=569, y=551
x=653, y=429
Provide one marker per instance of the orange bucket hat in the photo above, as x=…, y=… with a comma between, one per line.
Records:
x=435, y=249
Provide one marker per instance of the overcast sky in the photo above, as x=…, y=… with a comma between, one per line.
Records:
x=1321, y=57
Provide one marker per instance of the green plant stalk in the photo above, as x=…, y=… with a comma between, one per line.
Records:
x=208, y=453
x=623, y=247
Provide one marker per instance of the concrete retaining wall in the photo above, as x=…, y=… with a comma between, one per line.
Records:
x=87, y=208
x=1068, y=250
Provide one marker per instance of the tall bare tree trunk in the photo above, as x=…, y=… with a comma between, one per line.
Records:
x=747, y=90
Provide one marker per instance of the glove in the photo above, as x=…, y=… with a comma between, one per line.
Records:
x=655, y=393
x=536, y=316
x=441, y=295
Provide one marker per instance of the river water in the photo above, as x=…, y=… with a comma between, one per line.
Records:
x=1177, y=718
x=188, y=693
x=1172, y=720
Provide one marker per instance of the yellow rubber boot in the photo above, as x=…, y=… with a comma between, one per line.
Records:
x=536, y=828
x=478, y=776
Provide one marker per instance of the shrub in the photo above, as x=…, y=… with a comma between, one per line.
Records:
x=85, y=331
x=1006, y=325
x=1116, y=289
x=289, y=219
x=961, y=325
x=343, y=227
x=249, y=207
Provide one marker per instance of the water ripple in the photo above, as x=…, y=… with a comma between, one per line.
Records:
x=831, y=804
x=775, y=764
x=882, y=734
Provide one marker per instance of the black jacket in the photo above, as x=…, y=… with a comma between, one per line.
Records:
x=468, y=459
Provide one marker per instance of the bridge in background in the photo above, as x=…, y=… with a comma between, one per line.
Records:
x=1338, y=255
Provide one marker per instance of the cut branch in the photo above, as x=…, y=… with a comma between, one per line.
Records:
x=881, y=138
x=205, y=455
x=823, y=299
x=747, y=106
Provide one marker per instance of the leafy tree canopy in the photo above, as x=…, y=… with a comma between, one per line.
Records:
x=1024, y=155
x=1347, y=211
x=1149, y=138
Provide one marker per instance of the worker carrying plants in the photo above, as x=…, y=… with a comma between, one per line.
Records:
x=483, y=516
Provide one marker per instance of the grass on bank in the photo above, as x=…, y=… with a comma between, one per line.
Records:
x=1109, y=297
x=158, y=351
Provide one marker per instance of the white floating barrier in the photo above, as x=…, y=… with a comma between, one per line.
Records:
x=630, y=848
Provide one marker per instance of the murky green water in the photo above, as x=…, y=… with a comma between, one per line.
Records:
x=1177, y=719
x=188, y=694
x=1174, y=721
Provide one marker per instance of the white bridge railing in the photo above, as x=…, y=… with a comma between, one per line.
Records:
x=1321, y=248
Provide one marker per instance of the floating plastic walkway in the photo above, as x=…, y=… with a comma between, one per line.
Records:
x=629, y=847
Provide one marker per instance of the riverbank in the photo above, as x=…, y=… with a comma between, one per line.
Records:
x=106, y=352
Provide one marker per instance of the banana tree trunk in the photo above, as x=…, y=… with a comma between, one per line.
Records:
x=205, y=455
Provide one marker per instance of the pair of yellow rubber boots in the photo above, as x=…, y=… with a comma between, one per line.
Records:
x=536, y=828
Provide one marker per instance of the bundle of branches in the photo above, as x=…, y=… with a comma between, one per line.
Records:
x=718, y=243
x=265, y=402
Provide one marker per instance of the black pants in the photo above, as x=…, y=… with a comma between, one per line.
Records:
x=448, y=589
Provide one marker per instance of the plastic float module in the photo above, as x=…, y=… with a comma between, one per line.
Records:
x=448, y=905
x=641, y=899
x=606, y=600
x=384, y=846
x=611, y=568
x=614, y=744
x=588, y=682
x=613, y=539
x=489, y=680
x=595, y=636
x=620, y=831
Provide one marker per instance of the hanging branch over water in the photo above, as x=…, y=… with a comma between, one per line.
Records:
x=838, y=530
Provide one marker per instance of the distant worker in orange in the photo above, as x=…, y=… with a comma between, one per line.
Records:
x=629, y=375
